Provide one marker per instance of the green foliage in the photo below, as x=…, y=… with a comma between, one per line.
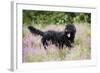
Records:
x=54, y=17
x=83, y=17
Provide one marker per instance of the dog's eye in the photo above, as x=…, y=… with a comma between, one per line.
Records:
x=68, y=35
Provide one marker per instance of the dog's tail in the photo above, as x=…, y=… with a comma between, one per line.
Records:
x=35, y=31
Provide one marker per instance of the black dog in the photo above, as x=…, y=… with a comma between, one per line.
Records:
x=58, y=38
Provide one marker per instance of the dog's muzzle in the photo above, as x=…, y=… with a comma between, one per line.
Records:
x=68, y=35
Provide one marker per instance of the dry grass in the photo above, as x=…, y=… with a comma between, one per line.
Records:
x=33, y=50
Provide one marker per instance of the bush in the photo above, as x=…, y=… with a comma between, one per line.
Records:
x=52, y=17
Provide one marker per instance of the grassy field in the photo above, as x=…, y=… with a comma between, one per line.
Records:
x=33, y=50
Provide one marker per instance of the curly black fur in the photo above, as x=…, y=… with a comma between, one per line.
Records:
x=58, y=38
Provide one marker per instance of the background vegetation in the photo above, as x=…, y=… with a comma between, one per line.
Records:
x=33, y=50
x=53, y=17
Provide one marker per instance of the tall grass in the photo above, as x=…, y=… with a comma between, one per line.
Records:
x=33, y=50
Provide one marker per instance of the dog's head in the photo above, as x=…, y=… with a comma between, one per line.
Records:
x=70, y=30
